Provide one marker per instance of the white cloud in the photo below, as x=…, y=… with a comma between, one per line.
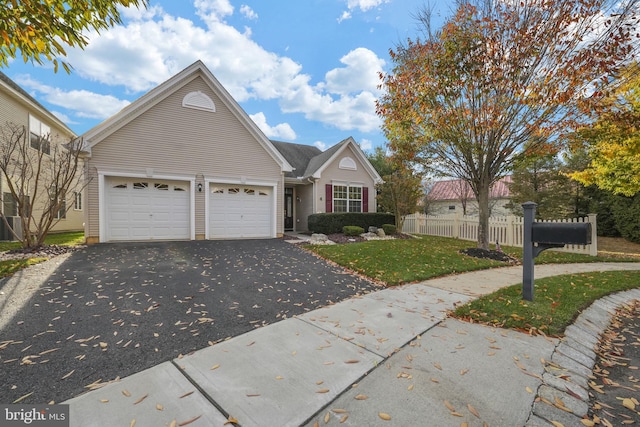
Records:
x=213, y=10
x=366, y=144
x=345, y=15
x=153, y=46
x=280, y=131
x=64, y=118
x=364, y=5
x=248, y=12
x=361, y=73
x=321, y=145
x=84, y=103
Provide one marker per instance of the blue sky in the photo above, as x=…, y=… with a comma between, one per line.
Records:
x=305, y=71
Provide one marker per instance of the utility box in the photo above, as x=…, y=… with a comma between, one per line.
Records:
x=561, y=233
x=15, y=222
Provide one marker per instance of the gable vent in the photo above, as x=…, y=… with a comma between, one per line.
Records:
x=199, y=101
x=348, y=163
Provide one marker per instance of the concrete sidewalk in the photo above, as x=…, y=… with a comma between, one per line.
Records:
x=388, y=358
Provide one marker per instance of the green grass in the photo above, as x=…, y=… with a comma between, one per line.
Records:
x=557, y=301
x=60, y=239
x=405, y=261
x=7, y=268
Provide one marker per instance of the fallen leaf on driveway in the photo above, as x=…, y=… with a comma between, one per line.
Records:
x=68, y=375
x=628, y=403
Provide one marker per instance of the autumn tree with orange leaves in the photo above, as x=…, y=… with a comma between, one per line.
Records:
x=500, y=76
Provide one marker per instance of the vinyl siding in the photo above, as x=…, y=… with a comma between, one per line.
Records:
x=304, y=208
x=169, y=139
x=332, y=173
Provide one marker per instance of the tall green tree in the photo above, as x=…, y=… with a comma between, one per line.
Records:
x=540, y=178
x=401, y=189
x=42, y=30
x=464, y=100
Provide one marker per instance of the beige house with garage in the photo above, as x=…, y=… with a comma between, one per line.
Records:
x=185, y=162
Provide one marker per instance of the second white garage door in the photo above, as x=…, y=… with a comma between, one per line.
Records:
x=143, y=209
x=238, y=211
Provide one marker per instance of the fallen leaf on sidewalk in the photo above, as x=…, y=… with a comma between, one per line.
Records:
x=141, y=399
x=194, y=419
x=473, y=410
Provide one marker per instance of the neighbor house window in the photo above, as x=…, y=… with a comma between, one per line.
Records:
x=39, y=135
x=77, y=201
x=347, y=198
x=10, y=204
x=62, y=210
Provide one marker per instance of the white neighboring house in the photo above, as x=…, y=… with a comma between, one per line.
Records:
x=455, y=196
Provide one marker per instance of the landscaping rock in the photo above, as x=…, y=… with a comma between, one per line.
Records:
x=320, y=239
x=380, y=232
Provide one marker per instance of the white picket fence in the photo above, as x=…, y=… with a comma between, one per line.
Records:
x=506, y=230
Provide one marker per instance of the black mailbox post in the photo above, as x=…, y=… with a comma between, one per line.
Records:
x=539, y=236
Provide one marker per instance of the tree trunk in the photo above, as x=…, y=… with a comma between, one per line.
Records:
x=483, y=214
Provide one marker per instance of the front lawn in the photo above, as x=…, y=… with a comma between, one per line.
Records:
x=557, y=301
x=411, y=260
x=9, y=267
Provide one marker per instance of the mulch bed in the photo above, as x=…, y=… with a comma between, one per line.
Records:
x=489, y=254
x=46, y=251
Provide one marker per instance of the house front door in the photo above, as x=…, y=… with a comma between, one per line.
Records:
x=288, y=208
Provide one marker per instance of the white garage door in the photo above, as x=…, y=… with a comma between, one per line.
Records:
x=143, y=209
x=240, y=211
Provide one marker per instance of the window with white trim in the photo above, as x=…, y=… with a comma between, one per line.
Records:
x=77, y=201
x=347, y=198
x=54, y=195
x=39, y=135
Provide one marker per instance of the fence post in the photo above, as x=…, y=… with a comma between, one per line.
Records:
x=456, y=226
x=593, y=248
x=510, y=225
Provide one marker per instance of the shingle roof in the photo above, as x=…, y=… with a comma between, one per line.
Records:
x=306, y=159
x=455, y=189
x=298, y=156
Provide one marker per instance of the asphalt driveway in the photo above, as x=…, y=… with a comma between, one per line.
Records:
x=112, y=310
